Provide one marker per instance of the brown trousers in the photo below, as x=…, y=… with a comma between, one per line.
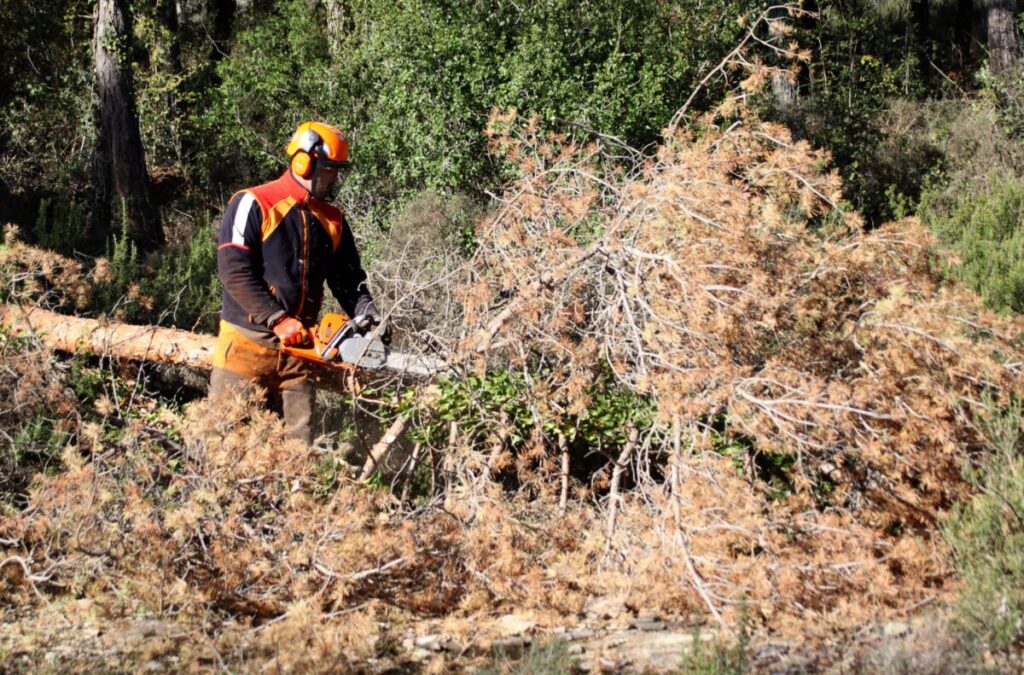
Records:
x=239, y=362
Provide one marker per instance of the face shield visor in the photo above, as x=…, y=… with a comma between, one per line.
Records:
x=326, y=177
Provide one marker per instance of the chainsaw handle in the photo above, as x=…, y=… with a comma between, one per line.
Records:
x=335, y=340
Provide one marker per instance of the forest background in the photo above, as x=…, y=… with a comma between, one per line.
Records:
x=916, y=103
x=903, y=95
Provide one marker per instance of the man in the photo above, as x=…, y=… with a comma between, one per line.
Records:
x=279, y=243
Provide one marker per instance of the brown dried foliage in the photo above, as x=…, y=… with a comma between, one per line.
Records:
x=720, y=279
x=716, y=278
x=35, y=275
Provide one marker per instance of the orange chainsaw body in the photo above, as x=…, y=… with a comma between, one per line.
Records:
x=322, y=334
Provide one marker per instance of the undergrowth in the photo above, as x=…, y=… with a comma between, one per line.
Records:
x=986, y=230
x=987, y=537
x=547, y=658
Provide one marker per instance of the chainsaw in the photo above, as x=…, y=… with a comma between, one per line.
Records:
x=343, y=343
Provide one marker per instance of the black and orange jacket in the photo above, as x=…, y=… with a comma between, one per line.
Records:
x=278, y=245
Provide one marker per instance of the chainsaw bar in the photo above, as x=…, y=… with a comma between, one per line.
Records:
x=338, y=342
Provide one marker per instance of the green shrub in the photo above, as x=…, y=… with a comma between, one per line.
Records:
x=113, y=287
x=862, y=59
x=550, y=658
x=184, y=285
x=46, y=124
x=987, y=232
x=987, y=537
x=177, y=286
x=36, y=445
x=414, y=82
x=719, y=657
x=61, y=222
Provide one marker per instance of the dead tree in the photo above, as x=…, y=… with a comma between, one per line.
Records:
x=783, y=84
x=120, y=160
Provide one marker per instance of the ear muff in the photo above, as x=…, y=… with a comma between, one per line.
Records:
x=304, y=143
x=302, y=164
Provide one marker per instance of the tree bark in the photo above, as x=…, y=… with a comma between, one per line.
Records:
x=144, y=343
x=1003, y=41
x=380, y=447
x=119, y=340
x=121, y=162
x=335, y=25
x=921, y=11
x=167, y=14
x=783, y=87
x=621, y=464
x=965, y=31
x=223, y=27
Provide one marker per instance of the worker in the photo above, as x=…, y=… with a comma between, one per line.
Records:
x=279, y=242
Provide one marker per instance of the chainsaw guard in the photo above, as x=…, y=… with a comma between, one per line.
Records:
x=363, y=352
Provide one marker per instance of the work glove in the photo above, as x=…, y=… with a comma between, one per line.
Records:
x=290, y=332
x=368, y=311
x=385, y=334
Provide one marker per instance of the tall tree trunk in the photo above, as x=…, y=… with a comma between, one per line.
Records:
x=121, y=162
x=965, y=31
x=167, y=14
x=223, y=26
x=921, y=11
x=335, y=25
x=783, y=86
x=1003, y=42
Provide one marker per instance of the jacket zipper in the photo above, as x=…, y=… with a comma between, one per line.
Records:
x=304, y=262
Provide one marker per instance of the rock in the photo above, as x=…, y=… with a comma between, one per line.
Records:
x=896, y=629
x=606, y=607
x=612, y=666
x=429, y=642
x=771, y=651
x=452, y=646
x=648, y=626
x=512, y=624
x=511, y=642
x=583, y=634
x=658, y=651
x=512, y=646
x=421, y=654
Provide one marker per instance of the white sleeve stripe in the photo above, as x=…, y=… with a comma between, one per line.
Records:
x=241, y=218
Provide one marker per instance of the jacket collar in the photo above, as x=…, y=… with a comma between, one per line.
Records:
x=291, y=187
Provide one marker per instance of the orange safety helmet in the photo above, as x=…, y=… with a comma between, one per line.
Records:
x=317, y=144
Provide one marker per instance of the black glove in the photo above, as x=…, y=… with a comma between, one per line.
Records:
x=385, y=334
x=371, y=314
x=366, y=309
x=371, y=318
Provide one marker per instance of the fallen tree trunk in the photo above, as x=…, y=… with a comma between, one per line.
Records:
x=108, y=338
x=150, y=343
